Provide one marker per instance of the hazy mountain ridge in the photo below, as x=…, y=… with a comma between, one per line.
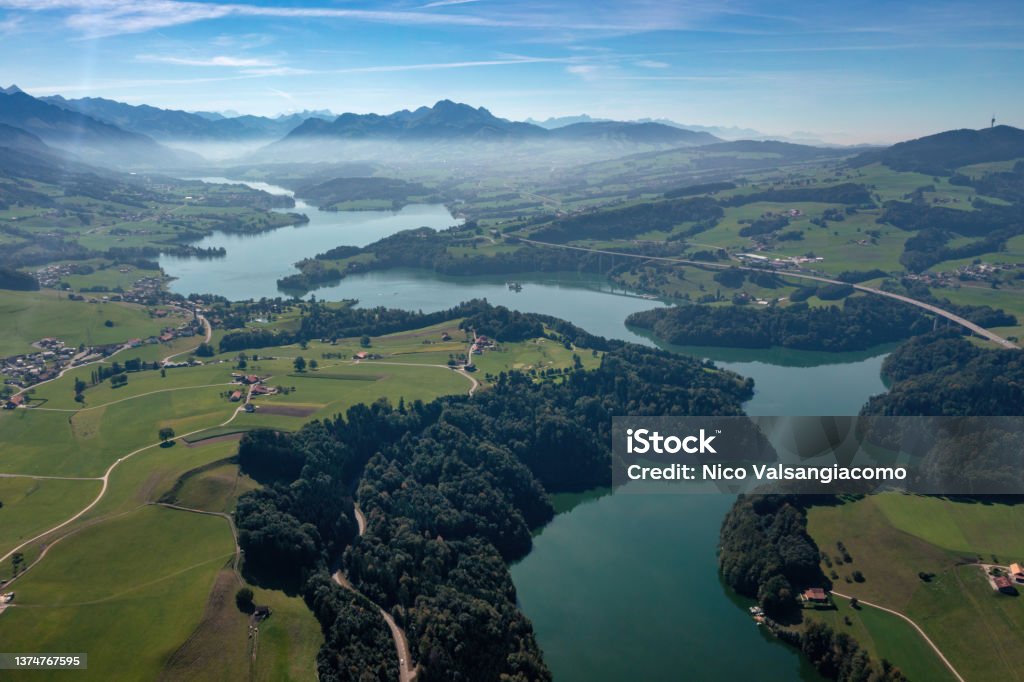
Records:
x=81, y=134
x=448, y=120
x=173, y=124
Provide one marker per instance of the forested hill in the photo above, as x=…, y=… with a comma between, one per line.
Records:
x=860, y=323
x=942, y=153
x=943, y=374
x=451, y=490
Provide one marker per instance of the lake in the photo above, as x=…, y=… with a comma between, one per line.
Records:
x=626, y=587
x=619, y=587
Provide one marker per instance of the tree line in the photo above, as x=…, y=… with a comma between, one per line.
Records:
x=860, y=323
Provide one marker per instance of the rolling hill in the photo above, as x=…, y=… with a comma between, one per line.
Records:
x=942, y=153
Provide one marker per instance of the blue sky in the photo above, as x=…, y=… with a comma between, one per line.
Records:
x=845, y=71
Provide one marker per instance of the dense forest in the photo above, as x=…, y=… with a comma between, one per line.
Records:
x=765, y=553
x=943, y=373
x=451, y=490
x=862, y=322
x=17, y=280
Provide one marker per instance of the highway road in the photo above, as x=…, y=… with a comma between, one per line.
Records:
x=967, y=324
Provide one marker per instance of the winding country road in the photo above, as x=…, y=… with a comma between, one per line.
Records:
x=967, y=324
x=927, y=639
x=405, y=672
x=105, y=478
x=209, y=335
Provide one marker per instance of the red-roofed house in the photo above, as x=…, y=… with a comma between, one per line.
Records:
x=815, y=594
x=236, y=396
x=1004, y=584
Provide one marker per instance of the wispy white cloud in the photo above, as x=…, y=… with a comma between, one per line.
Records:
x=652, y=64
x=246, y=41
x=434, y=66
x=282, y=94
x=446, y=3
x=879, y=47
x=587, y=72
x=247, y=62
x=101, y=18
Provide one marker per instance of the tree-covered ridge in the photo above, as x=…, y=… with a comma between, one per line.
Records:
x=630, y=221
x=862, y=322
x=843, y=193
x=942, y=153
x=765, y=552
x=340, y=190
x=451, y=490
x=943, y=374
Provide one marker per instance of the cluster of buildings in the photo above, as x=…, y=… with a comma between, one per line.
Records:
x=1007, y=582
x=975, y=272
x=482, y=343
x=51, y=356
x=52, y=275
x=785, y=262
x=255, y=384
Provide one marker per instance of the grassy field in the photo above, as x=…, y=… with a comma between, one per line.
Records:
x=120, y=543
x=887, y=637
x=86, y=442
x=892, y=538
x=139, y=584
x=215, y=489
x=30, y=506
x=32, y=315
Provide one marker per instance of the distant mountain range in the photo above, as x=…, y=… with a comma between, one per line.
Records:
x=170, y=125
x=448, y=120
x=723, y=132
x=115, y=134
x=83, y=135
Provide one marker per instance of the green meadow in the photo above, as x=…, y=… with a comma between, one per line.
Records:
x=892, y=538
x=31, y=315
x=30, y=506
x=125, y=591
